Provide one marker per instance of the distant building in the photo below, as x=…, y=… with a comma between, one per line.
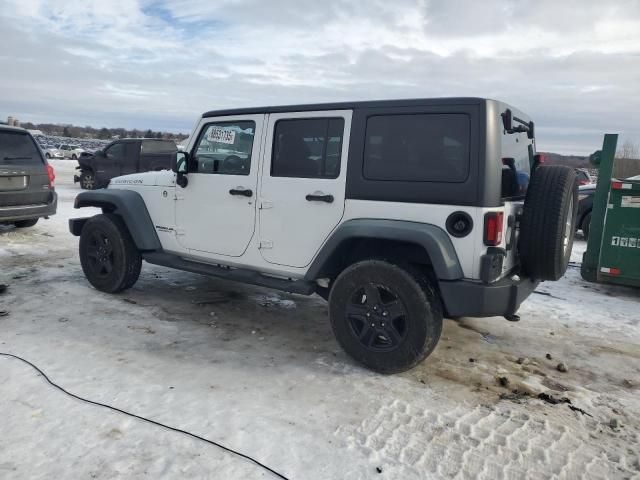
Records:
x=13, y=122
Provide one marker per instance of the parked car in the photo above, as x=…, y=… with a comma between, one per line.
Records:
x=69, y=151
x=122, y=157
x=398, y=212
x=27, y=191
x=583, y=177
x=52, y=152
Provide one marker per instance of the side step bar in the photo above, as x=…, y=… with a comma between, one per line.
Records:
x=302, y=287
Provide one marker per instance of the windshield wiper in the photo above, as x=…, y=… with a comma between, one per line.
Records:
x=18, y=158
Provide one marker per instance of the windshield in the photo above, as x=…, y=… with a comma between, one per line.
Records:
x=18, y=147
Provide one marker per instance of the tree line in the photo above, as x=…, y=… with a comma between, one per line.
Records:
x=73, y=131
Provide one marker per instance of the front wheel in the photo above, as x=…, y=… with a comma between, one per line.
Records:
x=386, y=317
x=110, y=259
x=74, y=157
x=87, y=180
x=48, y=155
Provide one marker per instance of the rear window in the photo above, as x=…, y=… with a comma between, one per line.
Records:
x=18, y=147
x=156, y=146
x=418, y=148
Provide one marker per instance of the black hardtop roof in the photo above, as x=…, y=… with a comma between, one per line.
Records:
x=408, y=102
x=13, y=129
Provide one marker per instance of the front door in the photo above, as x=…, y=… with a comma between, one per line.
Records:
x=216, y=212
x=303, y=184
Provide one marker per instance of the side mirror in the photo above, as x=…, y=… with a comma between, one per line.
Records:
x=507, y=120
x=180, y=166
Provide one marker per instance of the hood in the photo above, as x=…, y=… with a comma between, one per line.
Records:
x=144, y=179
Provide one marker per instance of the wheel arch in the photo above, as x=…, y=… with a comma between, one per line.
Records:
x=360, y=238
x=129, y=206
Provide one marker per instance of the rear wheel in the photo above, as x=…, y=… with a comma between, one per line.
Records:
x=48, y=155
x=110, y=259
x=74, y=157
x=87, y=180
x=386, y=317
x=548, y=222
x=25, y=223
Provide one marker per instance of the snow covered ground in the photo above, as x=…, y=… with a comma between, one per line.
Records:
x=260, y=372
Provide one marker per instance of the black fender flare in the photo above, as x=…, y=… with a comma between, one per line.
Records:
x=432, y=238
x=129, y=205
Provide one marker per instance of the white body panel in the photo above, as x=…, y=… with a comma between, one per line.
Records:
x=209, y=220
x=292, y=229
x=276, y=231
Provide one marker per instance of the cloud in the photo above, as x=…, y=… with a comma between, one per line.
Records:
x=573, y=66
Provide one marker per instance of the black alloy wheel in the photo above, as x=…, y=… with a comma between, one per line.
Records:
x=377, y=318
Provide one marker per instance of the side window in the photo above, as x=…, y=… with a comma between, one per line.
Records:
x=115, y=151
x=224, y=148
x=417, y=148
x=307, y=148
x=151, y=147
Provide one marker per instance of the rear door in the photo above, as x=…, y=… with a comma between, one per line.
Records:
x=129, y=161
x=303, y=183
x=23, y=172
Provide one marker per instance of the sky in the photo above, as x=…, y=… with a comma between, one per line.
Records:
x=573, y=66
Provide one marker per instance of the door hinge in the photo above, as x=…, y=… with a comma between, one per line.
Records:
x=264, y=204
x=180, y=231
x=264, y=244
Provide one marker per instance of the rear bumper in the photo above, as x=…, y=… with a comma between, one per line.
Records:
x=27, y=212
x=467, y=298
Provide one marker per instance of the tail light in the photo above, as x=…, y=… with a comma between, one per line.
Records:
x=539, y=158
x=51, y=174
x=493, y=225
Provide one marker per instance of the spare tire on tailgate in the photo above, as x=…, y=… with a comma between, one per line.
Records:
x=548, y=222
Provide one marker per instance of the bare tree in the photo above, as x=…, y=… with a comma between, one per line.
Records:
x=627, y=162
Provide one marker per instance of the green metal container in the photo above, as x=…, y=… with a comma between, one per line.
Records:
x=620, y=251
x=613, y=249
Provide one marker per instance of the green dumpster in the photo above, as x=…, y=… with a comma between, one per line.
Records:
x=613, y=249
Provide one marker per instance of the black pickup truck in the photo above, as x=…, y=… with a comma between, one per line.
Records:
x=123, y=157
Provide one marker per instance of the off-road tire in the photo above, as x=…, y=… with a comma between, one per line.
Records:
x=546, y=237
x=87, y=180
x=109, y=232
x=421, y=322
x=25, y=223
x=586, y=225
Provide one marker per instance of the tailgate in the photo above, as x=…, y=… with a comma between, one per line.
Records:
x=23, y=172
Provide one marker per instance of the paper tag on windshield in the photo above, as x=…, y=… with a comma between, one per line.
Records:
x=222, y=135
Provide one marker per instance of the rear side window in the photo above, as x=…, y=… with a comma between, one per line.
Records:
x=18, y=147
x=156, y=146
x=307, y=148
x=430, y=147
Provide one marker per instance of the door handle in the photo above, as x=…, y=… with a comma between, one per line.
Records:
x=319, y=197
x=245, y=192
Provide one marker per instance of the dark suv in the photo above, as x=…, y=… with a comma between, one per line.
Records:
x=26, y=179
x=122, y=157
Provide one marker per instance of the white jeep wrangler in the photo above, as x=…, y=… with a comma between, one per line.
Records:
x=396, y=212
